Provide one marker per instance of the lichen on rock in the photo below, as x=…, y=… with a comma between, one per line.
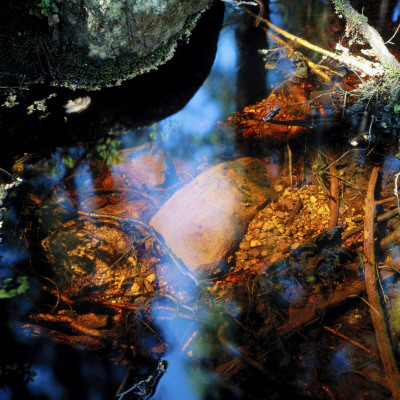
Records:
x=99, y=43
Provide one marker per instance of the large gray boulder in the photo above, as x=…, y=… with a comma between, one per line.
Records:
x=110, y=28
x=92, y=43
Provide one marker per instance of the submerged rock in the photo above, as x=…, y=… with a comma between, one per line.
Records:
x=203, y=222
x=97, y=258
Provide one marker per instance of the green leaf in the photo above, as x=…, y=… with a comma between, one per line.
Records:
x=11, y=287
x=396, y=107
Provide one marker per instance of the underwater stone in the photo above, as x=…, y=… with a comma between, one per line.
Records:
x=203, y=222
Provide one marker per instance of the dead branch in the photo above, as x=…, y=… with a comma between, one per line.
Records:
x=97, y=191
x=71, y=323
x=82, y=342
x=371, y=277
x=359, y=24
x=334, y=198
x=390, y=239
x=303, y=317
x=344, y=337
x=313, y=67
x=295, y=211
x=353, y=62
x=383, y=217
x=299, y=319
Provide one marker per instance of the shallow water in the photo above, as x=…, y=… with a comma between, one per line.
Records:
x=108, y=308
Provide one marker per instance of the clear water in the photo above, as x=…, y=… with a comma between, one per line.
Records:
x=69, y=153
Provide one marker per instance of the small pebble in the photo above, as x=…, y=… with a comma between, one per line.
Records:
x=255, y=243
x=151, y=278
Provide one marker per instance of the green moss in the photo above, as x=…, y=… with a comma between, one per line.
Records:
x=76, y=70
x=19, y=45
x=25, y=36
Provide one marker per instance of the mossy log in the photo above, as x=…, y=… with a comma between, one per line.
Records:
x=358, y=27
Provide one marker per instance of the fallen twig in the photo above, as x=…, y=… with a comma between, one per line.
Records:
x=353, y=62
x=299, y=319
x=83, y=342
x=334, y=199
x=390, y=239
x=313, y=67
x=380, y=218
x=96, y=191
x=344, y=337
x=295, y=211
x=371, y=277
x=68, y=321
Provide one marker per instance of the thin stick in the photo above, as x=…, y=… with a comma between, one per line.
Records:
x=384, y=201
x=87, y=192
x=73, y=324
x=354, y=62
x=295, y=211
x=290, y=50
x=289, y=153
x=334, y=199
x=383, y=217
x=390, y=40
x=371, y=277
x=344, y=337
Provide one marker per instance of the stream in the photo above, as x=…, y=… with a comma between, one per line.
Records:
x=198, y=232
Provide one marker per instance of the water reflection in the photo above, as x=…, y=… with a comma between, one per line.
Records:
x=105, y=280
x=139, y=102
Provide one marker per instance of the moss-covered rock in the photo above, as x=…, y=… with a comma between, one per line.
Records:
x=92, y=43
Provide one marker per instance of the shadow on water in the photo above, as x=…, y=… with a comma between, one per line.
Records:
x=139, y=102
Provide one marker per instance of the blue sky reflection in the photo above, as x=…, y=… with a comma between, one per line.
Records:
x=211, y=103
x=177, y=384
x=45, y=384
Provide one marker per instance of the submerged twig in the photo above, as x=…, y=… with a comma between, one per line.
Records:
x=353, y=62
x=344, y=337
x=371, y=277
x=295, y=211
x=313, y=67
x=383, y=217
x=390, y=239
x=334, y=199
x=71, y=323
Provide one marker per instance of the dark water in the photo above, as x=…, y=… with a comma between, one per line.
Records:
x=173, y=111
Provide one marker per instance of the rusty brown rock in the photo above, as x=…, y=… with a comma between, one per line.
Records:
x=142, y=166
x=93, y=257
x=203, y=222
